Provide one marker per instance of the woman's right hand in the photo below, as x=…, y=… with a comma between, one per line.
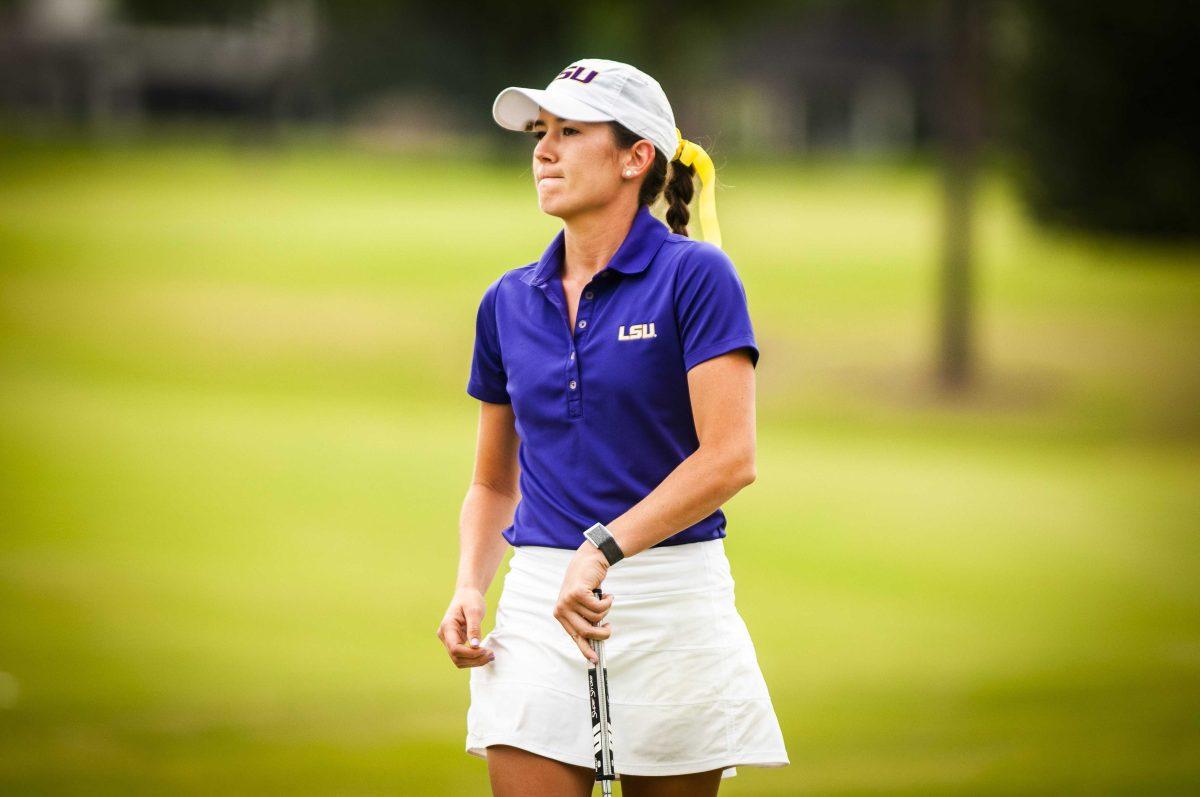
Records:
x=460, y=629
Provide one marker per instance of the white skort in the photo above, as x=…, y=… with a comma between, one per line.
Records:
x=685, y=689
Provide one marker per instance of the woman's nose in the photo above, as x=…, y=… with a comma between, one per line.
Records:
x=544, y=150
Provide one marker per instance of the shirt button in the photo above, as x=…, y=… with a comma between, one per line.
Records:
x=587, y=295
x=571, y=384
x=572, y=355
x=583, y=324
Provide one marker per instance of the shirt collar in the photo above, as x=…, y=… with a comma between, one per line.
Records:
x=641, y=244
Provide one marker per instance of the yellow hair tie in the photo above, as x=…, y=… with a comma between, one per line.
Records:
x=690, y=154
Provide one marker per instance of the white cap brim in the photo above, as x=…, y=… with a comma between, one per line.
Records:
x=516, y=107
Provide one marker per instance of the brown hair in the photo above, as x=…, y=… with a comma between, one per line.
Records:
x=679, y=188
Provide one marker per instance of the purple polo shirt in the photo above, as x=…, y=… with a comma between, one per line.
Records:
x=604, y=415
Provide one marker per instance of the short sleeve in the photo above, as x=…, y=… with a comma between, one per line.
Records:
x=488, y=382
x=711, y=307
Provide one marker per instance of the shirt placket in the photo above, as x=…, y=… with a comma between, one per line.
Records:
x=572, y=373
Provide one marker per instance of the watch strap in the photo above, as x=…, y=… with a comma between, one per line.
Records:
x=603, y=539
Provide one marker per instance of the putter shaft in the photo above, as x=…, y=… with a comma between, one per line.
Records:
x=601, y=728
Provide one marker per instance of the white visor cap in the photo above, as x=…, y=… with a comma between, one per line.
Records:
x=595, y=90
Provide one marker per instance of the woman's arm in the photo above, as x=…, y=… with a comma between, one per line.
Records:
x=487, y=510
x=722, y=398
x=491, y=499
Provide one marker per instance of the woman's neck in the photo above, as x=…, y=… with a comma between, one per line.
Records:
x=591, y=240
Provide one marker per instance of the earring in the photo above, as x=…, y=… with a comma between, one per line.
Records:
x=628, y=173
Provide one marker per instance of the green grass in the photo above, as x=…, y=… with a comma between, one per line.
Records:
x=235, y=440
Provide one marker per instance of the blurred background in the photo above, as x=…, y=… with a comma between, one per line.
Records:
x=241, y=249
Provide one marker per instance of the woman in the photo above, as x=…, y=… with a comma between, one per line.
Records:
x=616, y=380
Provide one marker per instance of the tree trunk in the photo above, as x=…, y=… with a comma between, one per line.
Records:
x=961, y=117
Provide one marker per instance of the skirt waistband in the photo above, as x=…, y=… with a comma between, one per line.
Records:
x=669, y=568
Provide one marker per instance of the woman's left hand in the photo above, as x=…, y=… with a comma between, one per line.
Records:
x=578, y=610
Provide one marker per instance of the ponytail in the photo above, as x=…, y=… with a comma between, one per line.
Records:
x=680, y=190
x=679, y=193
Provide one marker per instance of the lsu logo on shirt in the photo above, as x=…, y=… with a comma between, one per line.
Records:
x=637, y=332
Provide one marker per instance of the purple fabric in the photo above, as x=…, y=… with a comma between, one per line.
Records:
x=605, y=416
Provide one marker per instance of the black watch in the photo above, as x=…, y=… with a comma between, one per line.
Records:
x=603, y=539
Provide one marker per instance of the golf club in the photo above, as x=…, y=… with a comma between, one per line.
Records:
x=601, y=729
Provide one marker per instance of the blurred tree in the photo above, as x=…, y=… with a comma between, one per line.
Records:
x=1105, y=120
x=961, y=123
x=456, y=51
x=211, y=11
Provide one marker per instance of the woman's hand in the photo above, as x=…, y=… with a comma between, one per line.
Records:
x=578, y=610
x=459, y=630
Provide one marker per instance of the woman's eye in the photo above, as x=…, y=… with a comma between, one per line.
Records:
x=540, y=133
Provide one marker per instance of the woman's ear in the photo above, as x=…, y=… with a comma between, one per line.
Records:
x=641, y=157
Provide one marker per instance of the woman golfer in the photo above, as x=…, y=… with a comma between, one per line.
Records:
x=616, y=376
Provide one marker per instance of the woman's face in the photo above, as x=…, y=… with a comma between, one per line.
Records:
x=577, y=166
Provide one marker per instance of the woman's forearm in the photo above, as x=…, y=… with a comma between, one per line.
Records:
x=697, y=487
x=485, y=513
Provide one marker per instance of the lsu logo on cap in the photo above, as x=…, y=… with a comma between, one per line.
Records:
x=573, y=73
x=637, y=332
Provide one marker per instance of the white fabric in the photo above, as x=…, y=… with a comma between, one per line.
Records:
x=616, y=91
x=686, y=691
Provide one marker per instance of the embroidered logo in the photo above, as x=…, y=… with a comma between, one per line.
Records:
x=637, y=332
x=575, y=73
